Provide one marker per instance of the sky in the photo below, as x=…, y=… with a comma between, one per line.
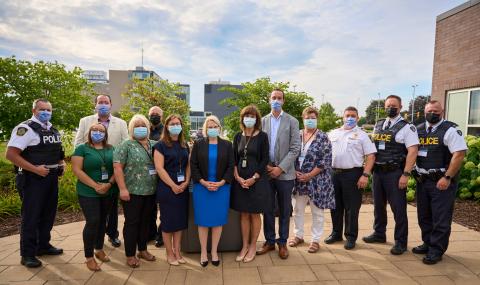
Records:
x=342, y=52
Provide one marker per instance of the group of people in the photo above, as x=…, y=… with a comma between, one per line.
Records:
x=272, y=168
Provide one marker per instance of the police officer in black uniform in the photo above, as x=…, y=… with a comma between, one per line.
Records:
x=397, y=144
x=440, y=155
x=35, y=148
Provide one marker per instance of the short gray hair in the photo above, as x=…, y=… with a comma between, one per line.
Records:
x=35, y=103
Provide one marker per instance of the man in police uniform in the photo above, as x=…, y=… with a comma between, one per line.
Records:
x=350, y=146
x=36, y=149
x=397, y=145
x=440, y=155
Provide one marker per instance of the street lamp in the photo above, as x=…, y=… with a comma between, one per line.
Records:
x=413, y=102
x=378, y=108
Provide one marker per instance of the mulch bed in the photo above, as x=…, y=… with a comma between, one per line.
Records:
x=466, y=214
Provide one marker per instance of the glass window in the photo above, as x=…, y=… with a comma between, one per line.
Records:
x=457, y=104
x=474, y=112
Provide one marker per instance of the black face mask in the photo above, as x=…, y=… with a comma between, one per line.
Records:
x=391, y=112
x=155, y=119
x=432, y=118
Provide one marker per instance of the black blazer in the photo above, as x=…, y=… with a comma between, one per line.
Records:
x=199, y=160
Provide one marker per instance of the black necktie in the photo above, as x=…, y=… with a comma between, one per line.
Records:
x=429, y=129
x=388, y=125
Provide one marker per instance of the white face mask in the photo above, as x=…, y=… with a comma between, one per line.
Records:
x=249, y=122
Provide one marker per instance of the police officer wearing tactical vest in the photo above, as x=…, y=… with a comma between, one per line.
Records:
x=440, y=155
x=35, y=148
x=397, y=145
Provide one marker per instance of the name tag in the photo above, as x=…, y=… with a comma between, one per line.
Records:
x=381, y=145
x=104, y=173
x=151, y=170
x=180, y=176
x=422, y=152
x=244, y=163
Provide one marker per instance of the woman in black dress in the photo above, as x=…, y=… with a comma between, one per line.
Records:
x=249, y=193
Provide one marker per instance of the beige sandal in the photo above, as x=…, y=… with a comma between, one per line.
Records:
x=314, y=247
x=92, y=265
x=146, y=255
x=295, y=241
x=102, y=256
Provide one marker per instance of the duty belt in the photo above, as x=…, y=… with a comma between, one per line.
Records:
x=343, y=170
x=432, y=174
x=387, y=167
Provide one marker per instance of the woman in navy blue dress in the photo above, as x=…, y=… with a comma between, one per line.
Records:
x=173, y=167
x=212, y=174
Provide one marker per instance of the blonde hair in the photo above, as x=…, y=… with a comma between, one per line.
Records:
x=135, y=119
x=211, y=118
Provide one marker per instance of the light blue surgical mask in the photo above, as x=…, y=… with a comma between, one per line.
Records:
x=140, y=133
x=350, y=122
x=249, y=122
x=276, y=105
x=175, y=130
x=103, y=109
x=97, y=136
x=310, y=123
x=44, y=116
x=213, y=132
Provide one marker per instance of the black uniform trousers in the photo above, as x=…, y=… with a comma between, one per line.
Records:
x=435, y=213
x=385, y=188
x=348, y=200
x=39, y=207
x=112, y=218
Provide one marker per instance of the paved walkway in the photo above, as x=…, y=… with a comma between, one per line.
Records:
x=366, y=264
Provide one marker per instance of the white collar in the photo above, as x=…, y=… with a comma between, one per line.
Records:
x=281, y=113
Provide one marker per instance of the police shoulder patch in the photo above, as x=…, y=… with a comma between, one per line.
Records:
x=412, y=127
x=459, y=132
x=21, y=131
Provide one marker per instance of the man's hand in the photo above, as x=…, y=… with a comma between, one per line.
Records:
x=402, y=182
x=42, y=170
x=443, y=184
x=362, y=182
x=275, y=172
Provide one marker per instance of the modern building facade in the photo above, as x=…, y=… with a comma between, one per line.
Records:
x=213, y=95
x=456, y=67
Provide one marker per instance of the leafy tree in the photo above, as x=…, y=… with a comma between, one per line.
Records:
x=21, y=82
x=327, y=119
x=418, y=109
x=142, y=94
x=258, y=93
x=375, y=107
x=361, y=121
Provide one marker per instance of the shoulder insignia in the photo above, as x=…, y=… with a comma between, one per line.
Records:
x=459, y=132
x=21, y=131
x=412, y=127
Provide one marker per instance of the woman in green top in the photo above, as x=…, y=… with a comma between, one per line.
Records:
x=92, y=163
x=137, y=181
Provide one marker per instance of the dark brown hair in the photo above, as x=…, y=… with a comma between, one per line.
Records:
x=351, y=108
x=279, y=90
x=89, y=138
x=394, y=97
x=251, y=110
x=166, y=133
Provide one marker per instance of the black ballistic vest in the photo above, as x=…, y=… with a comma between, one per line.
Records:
x=49, y=151
x=438, y=154
x=394, y=153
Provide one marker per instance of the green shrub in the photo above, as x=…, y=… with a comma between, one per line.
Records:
x=67, y=193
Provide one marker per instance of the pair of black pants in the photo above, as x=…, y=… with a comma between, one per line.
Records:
x=435, y=213
x=348, y=200
x=137, y=213
x=385, y=188
x=39, y=207
x=112, y=218
x=280, y=191
x=95, y=210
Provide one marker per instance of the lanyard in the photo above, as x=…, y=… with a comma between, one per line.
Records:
x=246, y=146
x=102, y=157
x=309, y=138
x=148, y=152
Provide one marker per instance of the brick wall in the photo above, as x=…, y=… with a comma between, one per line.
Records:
x=456, y=63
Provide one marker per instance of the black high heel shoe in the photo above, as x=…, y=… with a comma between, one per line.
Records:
x=204, y=263
x=216, y=262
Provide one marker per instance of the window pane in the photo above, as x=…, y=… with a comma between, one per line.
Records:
x=474, y=131
x=474, y=114
x=457, y=106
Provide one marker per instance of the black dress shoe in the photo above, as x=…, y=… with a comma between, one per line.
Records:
x=204, y=263
x=432, y=259
x=158, y=242
x=398, y=249
x=332, y=238
x=30, y=261
x=349, y=244
x=115, y=242
x=421, y=249
x=216, y=262
x=50, y=251
x=373, y=238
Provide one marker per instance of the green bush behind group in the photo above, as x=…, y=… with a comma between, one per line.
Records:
x=71, y=95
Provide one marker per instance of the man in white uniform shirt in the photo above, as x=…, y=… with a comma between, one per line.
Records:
x=350, y=145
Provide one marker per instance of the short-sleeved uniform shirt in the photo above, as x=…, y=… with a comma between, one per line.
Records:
x=23, y=136
x=93, y=160
x=349, y=147
x=139, y=170
x=407, y=135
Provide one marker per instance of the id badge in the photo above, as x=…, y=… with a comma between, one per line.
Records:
x=244, y=163
x=104, y=173
x=422, y=152
x=151, y=170
x=180, y=176
x=381, y=145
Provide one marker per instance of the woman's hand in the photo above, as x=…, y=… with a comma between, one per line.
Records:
x=124, y=195
x=249, y=182
x=304, y=177
x=103, y=188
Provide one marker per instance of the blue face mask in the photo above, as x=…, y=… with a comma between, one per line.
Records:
x=103, y=109
x=213, y=132
x=175, y=130
x=350, y=122
x=44, y=116
x=140, y=133
x=310, y=123
x=249, y=122
x=276, y=105
x=97, y=136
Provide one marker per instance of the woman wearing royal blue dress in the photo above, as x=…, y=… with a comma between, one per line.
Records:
x=212, y=174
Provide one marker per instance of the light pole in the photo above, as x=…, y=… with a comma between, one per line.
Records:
x=378, y=108
x=413, y=102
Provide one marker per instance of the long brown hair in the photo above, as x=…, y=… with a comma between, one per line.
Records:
x=251, y=110
x=89, y=138
x=166, y=138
